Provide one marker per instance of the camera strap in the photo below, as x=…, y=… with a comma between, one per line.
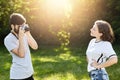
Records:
x=99, y=59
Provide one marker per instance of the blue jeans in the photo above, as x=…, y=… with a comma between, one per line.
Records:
x=98, y=75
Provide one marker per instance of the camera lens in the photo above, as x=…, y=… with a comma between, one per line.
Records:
x=26, y=28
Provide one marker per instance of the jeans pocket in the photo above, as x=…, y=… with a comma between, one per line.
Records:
x=96, y=75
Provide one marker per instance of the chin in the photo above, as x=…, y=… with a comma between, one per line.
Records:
x=92, y=35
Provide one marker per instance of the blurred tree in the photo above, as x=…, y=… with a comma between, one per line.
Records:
x=113, y=16
x=7, y=7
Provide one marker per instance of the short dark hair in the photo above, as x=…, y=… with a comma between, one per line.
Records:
x=16, y=19
x=105, y=28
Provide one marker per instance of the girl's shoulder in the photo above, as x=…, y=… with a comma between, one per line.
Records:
x=92, y=40
x=107, y=42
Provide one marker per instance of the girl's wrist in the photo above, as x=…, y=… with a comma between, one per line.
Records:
x=98, y=66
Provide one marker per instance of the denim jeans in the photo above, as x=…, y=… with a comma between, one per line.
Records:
x=98, y=75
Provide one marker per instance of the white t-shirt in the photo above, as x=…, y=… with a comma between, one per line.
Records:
x=96, y=49
x=21, y=67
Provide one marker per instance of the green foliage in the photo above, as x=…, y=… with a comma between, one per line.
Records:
x=64, y=38
x=7, y=7
x=113, y=16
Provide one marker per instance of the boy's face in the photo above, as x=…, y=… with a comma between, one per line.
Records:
x=16, y=28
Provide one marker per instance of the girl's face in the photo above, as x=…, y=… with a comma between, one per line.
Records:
x=95, y=32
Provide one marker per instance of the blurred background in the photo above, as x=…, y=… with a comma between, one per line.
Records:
x=61, y=22
x=62, y=30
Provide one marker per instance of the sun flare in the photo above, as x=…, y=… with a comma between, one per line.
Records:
x=58, y=6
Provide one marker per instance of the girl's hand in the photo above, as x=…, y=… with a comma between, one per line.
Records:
x=95, y=64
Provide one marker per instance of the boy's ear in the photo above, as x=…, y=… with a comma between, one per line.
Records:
x=12, y=27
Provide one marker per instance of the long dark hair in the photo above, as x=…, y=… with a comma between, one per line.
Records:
x=105, y=28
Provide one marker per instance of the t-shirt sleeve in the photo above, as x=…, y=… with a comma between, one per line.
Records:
x=108, y=50
x=10, y=44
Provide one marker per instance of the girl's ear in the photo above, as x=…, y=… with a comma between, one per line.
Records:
x=101, y=34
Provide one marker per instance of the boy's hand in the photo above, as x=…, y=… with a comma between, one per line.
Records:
x=21, y=32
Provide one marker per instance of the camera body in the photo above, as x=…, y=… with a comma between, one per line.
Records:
x=26, y=28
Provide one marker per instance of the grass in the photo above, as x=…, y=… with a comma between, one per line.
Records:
x=54, y=63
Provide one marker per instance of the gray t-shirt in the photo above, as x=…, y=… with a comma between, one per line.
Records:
x=21, y=67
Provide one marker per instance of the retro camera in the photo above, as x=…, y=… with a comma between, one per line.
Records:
x=26, y=28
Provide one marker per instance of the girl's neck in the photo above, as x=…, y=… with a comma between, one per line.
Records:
x=98, y=40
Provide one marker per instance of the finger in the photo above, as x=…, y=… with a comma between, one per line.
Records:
x=28, y=26
x=92, y=64
x=20, y=28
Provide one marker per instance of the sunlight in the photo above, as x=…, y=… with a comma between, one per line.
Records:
x=58, y=6
x=57, y=3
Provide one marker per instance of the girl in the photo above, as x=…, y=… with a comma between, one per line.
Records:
x=100, y=53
